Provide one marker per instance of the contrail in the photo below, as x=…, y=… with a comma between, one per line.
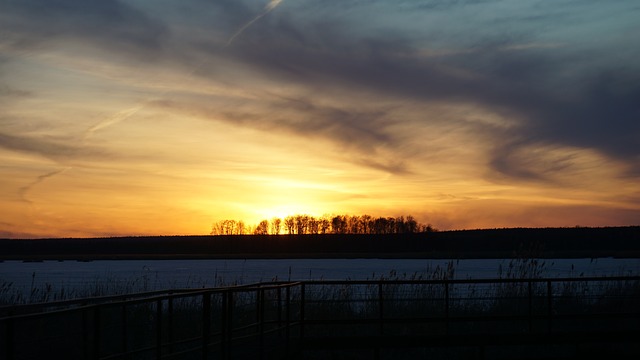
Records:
x=127, y=113
x=25, y=189
x=267, y=9
x=116, y=118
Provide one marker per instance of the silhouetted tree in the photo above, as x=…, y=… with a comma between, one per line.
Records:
x=302, y=223
x=275, y=225
x=228, y=227
x=240, y=227
x=411, y=224
x=262, y=228
x=429, y=228
x=366, y=222
x=289, y=224
x=337, y=224
x=313, y=225
x=325, y=225
x=353, y=224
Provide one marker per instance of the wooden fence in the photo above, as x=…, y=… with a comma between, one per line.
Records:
x=316, y=319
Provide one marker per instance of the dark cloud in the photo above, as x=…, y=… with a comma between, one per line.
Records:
x=509, y=73
x=362, y=130
x=555, y=94
x=10, y=93
x=521, y=160
x=101, y=23
x=57, y=150
x=602, y=116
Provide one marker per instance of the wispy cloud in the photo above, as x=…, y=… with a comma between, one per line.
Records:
x=267, y=9
x=52, y=149
x=114, y=119
x=24, y=191
x=513, y=99
x=108, y=24
x=64, y=153
x=517, y=77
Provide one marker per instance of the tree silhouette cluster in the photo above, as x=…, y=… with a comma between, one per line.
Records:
x=327, y=224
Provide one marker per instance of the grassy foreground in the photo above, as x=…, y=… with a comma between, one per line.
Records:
x=405, y=315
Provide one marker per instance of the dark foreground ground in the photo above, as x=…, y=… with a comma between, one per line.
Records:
x=622, y=242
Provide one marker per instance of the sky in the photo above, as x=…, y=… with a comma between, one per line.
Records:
x=159, y=117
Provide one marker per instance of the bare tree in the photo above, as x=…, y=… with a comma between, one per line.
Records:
x=275, y=225
x=289, y=223
x=229, y=227
x=217, y=228
x=313, y=225
x=240, y=227
x=262, y=228
x=336, y=224
x=302, y=224
x=353, y=224
x=366, y=224
x=325, y=225
x=411, y=224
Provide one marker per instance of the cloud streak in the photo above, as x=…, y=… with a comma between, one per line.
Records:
x=267, y=9
x=108, y=24
x=499, y=70
x=24, y=191
x=495, y=103
x=112, y=120
x=58, y=151
x=513, y=80
x=55, y=150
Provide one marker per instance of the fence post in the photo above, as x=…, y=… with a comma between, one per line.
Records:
x=96, y=332
x=123, y=317
x=287, y=320
x=223, y=324
x=206, y=324
x=530, y=307
x=261, y=320
x=381, y=307
x=9, y=338
x=279, y=299
x=86, y=349
x=227, y=329
x=258, y=294
x=549, y=305
x=446, y=307
x=170, y=323
x=159, y=329
x=302, y=301
x=229, y=323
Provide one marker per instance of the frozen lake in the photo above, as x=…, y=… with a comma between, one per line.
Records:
x=164, y=274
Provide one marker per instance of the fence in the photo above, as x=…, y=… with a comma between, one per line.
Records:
x=307, y=319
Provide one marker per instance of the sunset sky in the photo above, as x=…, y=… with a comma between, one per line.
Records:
x=136, y=117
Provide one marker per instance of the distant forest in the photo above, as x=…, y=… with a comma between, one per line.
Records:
x=526, y=243
x=327, y=224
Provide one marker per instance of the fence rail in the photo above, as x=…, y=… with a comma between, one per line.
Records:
x=281, y=320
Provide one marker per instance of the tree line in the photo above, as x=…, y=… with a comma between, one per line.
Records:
x=327, y=224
